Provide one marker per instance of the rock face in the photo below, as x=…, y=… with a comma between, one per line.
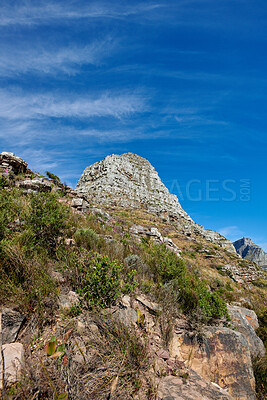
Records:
x=10, y=163
x=250, y=251
x=223, y=356
x=130, y=181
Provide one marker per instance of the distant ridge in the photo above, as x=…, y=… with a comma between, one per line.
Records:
x=130, y=181
x=250, y=251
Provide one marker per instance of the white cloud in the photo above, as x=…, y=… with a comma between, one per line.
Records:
x=232, y=232
x=26, y=13
x=38, y=59
x=20, y=106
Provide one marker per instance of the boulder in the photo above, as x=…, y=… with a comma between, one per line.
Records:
x=222, y=356
x=13, y=355
x=246, y=321
x=11, y=323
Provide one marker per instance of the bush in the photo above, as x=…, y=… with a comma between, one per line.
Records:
x=260, y=374
x=94, y=276
x=46, y=219
x=9, y=208
x=189, y=291
x=86, y=238
x=24, y=281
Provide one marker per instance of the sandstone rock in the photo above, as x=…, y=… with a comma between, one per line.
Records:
x=11, y=323
x=246, y=322
x=13, y=354
x=223, y=357
x=192, y=388
x=130, y=181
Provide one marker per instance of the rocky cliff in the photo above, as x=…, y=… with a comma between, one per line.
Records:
x=250, y=251
x=130, y=181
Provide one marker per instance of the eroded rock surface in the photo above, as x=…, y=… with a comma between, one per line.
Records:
x=192, y=388
x=221, y=356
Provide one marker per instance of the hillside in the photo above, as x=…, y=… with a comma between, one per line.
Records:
x=105, y=299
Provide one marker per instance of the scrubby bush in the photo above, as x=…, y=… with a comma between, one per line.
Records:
x=9, y=208
x=191, y=294
x=46, y=219
x=95, y=277
x=260, y=374
x=86, y=238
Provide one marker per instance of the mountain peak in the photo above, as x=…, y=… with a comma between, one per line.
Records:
x=130, y=181
x=251, y=251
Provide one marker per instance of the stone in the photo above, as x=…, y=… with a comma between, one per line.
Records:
x=130, y=181
x=13, y=355
x=66, y=301
x=12, y=163
x=35, y=185
x=194, y=387
x=127, y=316
x=246, y=321
x=152, y=307
x=250, y=251
x=11, y=323
x=222, y=356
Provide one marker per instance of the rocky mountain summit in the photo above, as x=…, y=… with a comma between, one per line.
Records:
x=130, y=181
x=250, y=251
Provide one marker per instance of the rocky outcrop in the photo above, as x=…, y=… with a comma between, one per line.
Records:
x=221, y=356
x=130, y=181
x=35, y=185
x=250, y=251
x=10, y=163
x=246, y=322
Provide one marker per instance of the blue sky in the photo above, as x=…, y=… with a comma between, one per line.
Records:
x=182, y=83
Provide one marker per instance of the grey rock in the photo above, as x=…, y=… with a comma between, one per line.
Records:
x=66, y=301
x=35, y=185
x=12, y=163
x=152, y=307
x=130, y=181
x=11, y=323
x=127, y=316
x=13, y=355
x=250, y=251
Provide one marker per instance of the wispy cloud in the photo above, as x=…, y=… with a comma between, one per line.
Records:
x=20, y=106
x=40, y=59
x=25, y=13
x=231, y=232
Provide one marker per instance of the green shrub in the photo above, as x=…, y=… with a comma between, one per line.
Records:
x=189, y=291
x=98, y=279
x=23, y=280
x=260, y=374
x=86, y=238
x=3, y=181
x=46, y=219
x=9, y=209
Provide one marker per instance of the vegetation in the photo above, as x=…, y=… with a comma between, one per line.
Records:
x=104, y=263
